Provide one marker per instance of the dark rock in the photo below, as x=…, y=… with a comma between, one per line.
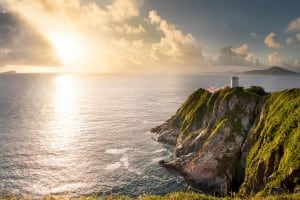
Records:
x=277, y=191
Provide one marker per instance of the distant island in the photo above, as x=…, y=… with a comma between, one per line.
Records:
x=9, y=72
x=275, y=70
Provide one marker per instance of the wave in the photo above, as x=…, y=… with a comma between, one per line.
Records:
x=116, y=151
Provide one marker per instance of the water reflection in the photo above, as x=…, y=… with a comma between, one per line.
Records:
x=60, y=139
x=65, y=108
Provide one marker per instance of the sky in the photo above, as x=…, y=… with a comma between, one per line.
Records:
x=148, y=35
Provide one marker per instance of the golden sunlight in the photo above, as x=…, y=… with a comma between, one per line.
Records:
x=69, y=47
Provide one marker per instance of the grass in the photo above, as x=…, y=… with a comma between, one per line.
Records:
x=275, y=152
x=193, y=110
x=201, y=103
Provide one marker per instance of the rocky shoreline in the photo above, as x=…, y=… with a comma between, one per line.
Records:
x=214, y=136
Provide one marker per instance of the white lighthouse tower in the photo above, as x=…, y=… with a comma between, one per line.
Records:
x=234, y=81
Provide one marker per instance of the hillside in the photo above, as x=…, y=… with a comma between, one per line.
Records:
x=236, y=140
x=272, y=71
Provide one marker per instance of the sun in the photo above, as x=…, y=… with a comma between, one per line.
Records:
x=68, y=47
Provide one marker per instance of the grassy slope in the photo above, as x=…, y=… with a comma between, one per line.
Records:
x=190, y=114
x=199, y=104
x=275, y=151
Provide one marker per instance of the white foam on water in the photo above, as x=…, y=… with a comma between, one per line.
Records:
x=159, y=151
x=124, y=161
x=116, y=151
x=113, y=167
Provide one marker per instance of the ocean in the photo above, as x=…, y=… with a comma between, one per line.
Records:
x=77, y=135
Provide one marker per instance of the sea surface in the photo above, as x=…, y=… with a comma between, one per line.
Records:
x=71, y=135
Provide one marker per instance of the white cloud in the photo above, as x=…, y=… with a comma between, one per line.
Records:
x=269, y=41
x=174, y=44
x=253, y=34
x=289, y=40
x=122, y=10
x=242, y=50
x=94, y=26
x=274, y=58
x=137, y=43
x=154, y=18
x=127, y=29
x=47, y=12
x=124, y=43
x=249, y=58
x=294, y=25
x=20, y=44
x=236, y=56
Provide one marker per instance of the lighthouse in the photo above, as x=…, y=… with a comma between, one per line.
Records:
x=234, y=81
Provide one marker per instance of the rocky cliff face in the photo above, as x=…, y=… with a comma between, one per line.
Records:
x=217, y=138
x=273, y=153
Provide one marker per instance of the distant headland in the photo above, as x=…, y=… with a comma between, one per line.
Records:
x=275, y=70
x=9, y=72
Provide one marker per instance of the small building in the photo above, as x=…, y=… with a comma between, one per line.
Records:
x=234, y=81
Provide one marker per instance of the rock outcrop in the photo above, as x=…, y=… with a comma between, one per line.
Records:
x=218, y=139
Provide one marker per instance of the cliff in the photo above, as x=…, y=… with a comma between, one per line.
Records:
x=236, y=140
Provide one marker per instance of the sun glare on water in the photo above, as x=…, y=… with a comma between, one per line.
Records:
x=64, y=111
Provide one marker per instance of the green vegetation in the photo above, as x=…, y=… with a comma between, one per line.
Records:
x=217, y=128
x=257, y=90
x=191, y=114
x=193, y=110
x=190, y=136
x=274, y=159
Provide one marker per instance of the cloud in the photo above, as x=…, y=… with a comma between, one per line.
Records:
x=124, y=43
x=274, y=58
x=20, y=44
x=137, y=43
x=117, y=11
x=174, y=44
x=236, y=56
x=296, y=63
x=294, y=25
x=253, y=34
x=242, y=50
x=122, y=10
x=94, y=25
x=269, y=41
x=127, y=29
x=289, y=40
x=154, y=18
